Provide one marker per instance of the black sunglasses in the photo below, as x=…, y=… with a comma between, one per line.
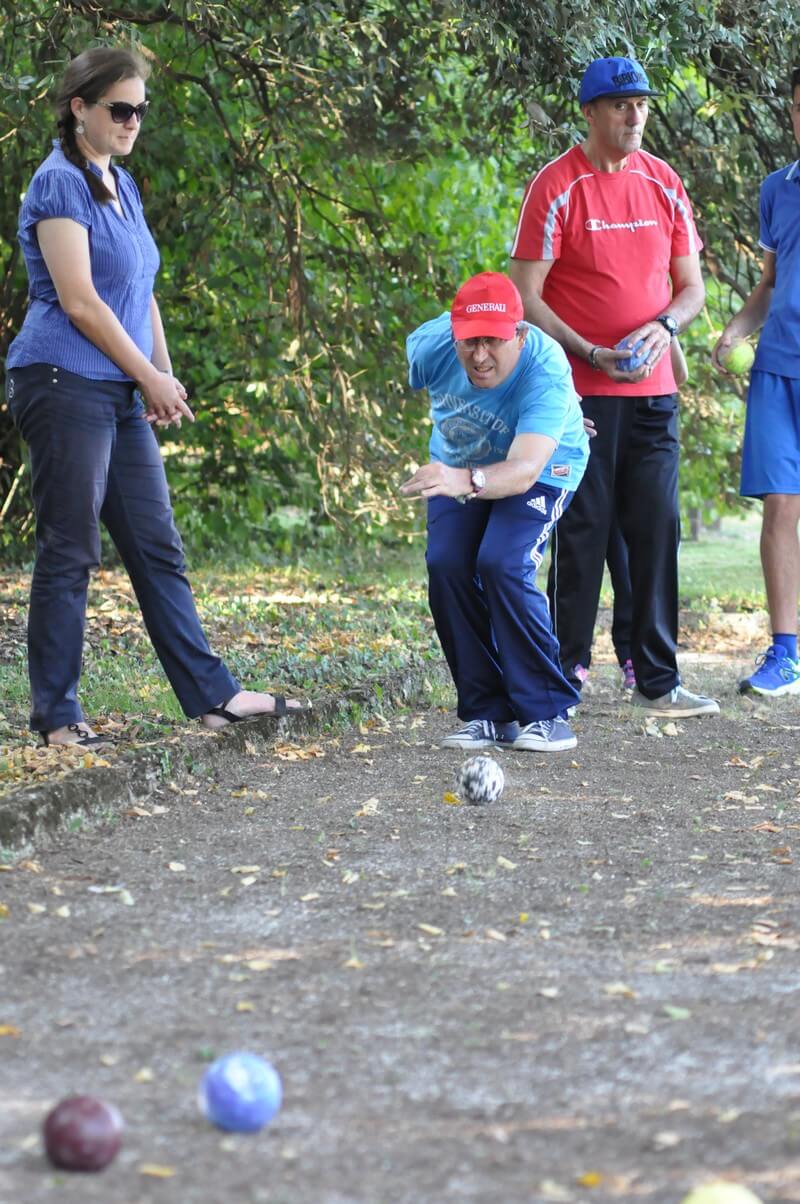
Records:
x=121, y=111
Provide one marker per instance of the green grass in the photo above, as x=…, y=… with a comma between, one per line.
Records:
x=723, y=569
x=720, y=571
x=309, y=629
x=324, y=624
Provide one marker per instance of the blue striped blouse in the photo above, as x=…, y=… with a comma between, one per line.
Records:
x=124, y=261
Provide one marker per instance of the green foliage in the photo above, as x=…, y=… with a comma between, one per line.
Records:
x=321, y=176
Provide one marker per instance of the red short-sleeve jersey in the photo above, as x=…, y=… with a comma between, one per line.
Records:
x=611, y=237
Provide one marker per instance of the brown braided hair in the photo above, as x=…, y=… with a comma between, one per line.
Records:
x=89, y=76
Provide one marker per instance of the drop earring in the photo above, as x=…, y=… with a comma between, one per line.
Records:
x=79, y=129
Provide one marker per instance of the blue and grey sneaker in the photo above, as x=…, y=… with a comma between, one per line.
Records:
x=545, y=735
x=776, y=674
x=482, y=733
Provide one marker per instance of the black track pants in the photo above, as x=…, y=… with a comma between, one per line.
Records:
x=633, y=473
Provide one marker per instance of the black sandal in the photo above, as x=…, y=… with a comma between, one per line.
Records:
x=85, y=741
x=279, y=711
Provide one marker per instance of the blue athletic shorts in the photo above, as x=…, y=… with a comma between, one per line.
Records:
x=771, y=449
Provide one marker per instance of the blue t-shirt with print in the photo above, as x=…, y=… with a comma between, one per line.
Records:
x=474, y=426
x=779, y=343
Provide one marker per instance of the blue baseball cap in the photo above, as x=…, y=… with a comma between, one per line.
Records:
x=614, y=78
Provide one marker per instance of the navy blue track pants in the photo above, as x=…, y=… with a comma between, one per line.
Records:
x=95, y=459
x=492, y=620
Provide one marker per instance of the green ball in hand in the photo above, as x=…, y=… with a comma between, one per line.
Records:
x=740, y=358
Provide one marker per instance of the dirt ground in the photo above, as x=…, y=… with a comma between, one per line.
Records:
x=585, y=991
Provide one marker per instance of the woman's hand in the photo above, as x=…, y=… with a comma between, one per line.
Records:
x=165, y=400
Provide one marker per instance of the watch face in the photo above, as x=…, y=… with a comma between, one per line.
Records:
x=670, y=323
x=478, y=478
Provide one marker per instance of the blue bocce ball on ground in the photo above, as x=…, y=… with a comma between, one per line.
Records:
x=240, y=1092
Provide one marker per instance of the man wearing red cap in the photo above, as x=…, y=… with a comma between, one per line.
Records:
x=606, y=256
x=508, y=449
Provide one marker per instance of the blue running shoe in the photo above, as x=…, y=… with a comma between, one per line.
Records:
x=776, y=674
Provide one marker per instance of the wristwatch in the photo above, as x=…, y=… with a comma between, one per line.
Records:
x=478, y=479
x=669, y=324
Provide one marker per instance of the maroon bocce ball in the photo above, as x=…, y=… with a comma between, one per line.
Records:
x=82, y=1133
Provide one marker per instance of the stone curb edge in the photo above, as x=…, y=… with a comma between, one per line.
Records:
x=31, y=812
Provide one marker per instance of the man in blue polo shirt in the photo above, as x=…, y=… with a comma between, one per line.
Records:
x=771, y=449
x=508, y=450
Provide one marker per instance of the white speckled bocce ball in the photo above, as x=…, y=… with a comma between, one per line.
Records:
x=480, y=781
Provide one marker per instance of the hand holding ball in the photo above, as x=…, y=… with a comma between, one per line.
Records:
x=480, y=780
x=721, y=1193
x=738, y=359
x=636, y=361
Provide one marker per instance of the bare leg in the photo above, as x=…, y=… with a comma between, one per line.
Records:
x=780, y=559
x=246, y=704
x=76, y=733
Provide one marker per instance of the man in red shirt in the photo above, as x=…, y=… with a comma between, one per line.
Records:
x=606, y=253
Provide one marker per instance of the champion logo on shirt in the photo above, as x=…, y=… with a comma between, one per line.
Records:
x=538, y=503
x=593, y=224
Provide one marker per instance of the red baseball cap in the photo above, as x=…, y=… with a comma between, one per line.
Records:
x=487, y=306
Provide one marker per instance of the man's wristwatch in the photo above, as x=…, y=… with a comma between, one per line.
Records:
x=669, y=324
x=478, y=479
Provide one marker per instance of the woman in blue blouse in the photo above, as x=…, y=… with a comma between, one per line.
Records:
x=87, y=378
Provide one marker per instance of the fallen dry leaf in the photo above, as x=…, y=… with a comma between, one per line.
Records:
x=619, y=988
x=666, y=1140
x=177, y=867
x=733, y=967
x=550, y=1190
x=430, y=929
x=154, y=1171
x=293, y=752
x=10, y=1030
x=31, y=865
